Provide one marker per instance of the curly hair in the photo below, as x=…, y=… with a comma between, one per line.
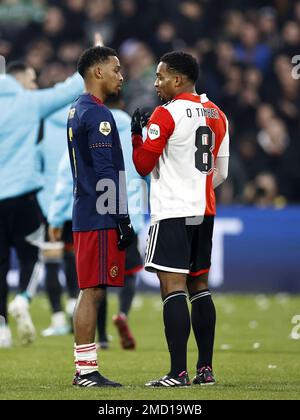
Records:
x=92, y=56
x=181, y=62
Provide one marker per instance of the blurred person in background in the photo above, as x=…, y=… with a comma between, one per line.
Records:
x=59, y=218
x=128, y=24
x=139, y=65
x=100, y=19
x=250, y=50
x=51, y=148
x=23, y=106
x=263, y=191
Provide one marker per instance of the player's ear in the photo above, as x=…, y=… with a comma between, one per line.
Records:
x=178, y=80
x=98, y=72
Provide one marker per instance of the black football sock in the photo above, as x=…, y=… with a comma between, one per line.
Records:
x=127, y=294
x=177, y=329
x=101, y=319
x=71, y=275
x=203, y=322
x=53, y=286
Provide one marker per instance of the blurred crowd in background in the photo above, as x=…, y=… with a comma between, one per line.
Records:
x=245, y=51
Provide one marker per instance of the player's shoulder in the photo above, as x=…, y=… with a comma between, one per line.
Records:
x=86, y=108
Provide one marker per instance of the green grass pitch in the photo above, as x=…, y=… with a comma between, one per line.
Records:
x=255, y=358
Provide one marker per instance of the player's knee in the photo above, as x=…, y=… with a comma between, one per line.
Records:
x=93, y=294
x=172, y=284
x=198, y=283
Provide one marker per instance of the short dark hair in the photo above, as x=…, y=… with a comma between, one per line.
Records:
x=92, y=56
x=181, y=62
x=16, y=67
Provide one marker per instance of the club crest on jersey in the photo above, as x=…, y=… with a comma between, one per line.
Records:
x=105, y=128
x=114, y=271
x=153, y=131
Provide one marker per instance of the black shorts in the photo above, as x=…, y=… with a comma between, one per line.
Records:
x=178, y=247
x=133, y=260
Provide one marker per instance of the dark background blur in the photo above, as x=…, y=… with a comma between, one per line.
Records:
x=245, y=51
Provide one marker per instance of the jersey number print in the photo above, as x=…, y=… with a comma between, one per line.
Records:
x=205, y=143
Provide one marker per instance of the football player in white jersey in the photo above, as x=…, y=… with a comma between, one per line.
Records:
x=187, y=154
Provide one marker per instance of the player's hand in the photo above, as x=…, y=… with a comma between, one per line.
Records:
x=54, y=233
x=126, y=233
x=138, y=121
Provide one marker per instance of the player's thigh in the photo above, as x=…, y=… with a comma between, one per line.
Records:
x=6, y=225
x=168, y=247
x=28, y=216
x=200, y=260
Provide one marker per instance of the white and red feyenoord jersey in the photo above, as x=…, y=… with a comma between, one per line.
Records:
x=189, y=132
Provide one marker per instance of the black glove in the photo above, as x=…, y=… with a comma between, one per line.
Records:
x=138, y=121
x=126, y=233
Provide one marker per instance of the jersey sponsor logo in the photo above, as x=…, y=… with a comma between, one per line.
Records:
x=114, y=271
x=71, y=113
x=105, y=128
x=154, y=132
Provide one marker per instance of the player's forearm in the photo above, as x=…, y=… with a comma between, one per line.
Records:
x=144, y=160
x=220, y=171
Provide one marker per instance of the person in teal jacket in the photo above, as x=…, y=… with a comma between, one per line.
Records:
x=52, y=147
x=22, y=109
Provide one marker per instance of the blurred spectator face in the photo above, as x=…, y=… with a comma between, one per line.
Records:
x=233, y=24
x=5, y=47
x=267, y=21
x=265, y=189
x=252, y=78
x=97, y=10
x=70, y=52
x=54, y=21
x=233, y=82
x=297, y=11
x=27, y=78
x=249, y=35
x=291, y=33
x=51, y=74
x=225, y=52
x=249, y=96
x=166, y=32
x=289, y=86
x=141, y=60
x=38, y=54
x=282, y=65
x=247, y=147
x=76, y=5
x=191, y=9
x=264, y=114
x=274, y=138
x=127, y=7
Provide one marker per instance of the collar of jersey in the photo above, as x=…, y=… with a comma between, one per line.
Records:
x=194, y=97
x=97, y=100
